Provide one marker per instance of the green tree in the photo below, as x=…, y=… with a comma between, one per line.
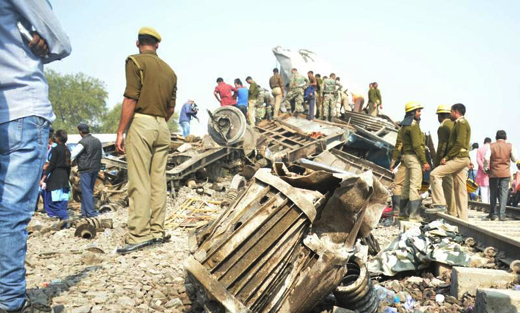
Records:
x=77, y=99
x=173, y=123
x=111, y=120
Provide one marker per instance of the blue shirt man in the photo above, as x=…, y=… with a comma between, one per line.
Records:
x=188, y=112
x=243, y=94
x=25, y=116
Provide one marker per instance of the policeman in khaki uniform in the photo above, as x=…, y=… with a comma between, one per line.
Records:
x=329, y=104
x=296, y=87
x=399, y=176
x=149, y=102
x=443, y=134
x=454, y=164
x=414, y=159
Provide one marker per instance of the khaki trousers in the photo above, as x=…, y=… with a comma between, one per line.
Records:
x=147, y=145
x=373, y=109
x=251, y=109
x=319, y=104
x=413, y=178
x=458, y=170
x=399, y=180
x=449, y=194
x=277, y=94
x=344, y=103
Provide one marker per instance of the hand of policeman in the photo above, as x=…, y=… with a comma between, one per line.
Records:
x=443, y=161
x=38, y=45
x=120, y=144
x=426, y=167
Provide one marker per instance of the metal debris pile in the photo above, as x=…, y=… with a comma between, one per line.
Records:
x=293, y=235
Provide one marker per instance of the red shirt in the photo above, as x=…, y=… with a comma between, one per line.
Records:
x=224, y=91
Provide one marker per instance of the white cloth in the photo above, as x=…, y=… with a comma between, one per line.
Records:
x=76, y=151
x=484, y=194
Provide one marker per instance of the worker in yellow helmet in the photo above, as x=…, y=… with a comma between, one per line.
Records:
x=443, y=134
x=414, y=159
x=399, y=176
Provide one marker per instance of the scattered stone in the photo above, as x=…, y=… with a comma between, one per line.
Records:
x=82, y=309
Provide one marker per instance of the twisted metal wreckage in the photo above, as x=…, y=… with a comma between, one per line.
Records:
x=291, y=236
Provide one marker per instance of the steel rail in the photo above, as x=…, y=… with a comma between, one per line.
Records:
x=480, y=206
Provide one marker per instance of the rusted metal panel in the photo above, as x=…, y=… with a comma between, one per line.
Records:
x=289, y=139
x=183, y=164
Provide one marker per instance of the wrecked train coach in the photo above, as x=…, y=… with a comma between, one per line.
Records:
x=285, y=243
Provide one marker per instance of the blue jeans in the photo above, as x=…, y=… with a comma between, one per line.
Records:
x=185, y=128
x=22, y=155
x=87, y=181
x=498, y=188
x=312, y=102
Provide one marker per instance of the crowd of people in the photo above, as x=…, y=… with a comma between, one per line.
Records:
x=453, y=172
x=311, y=96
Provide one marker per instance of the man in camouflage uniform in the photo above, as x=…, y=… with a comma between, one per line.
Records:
x=296, y=87
x=414, y=159
x=264, y=109
x=455, y=163
x=329, y=105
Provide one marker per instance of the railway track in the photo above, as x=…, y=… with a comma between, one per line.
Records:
x=511, y=212
x=503, y=236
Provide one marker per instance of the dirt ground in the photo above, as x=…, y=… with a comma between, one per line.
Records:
x=85, y=275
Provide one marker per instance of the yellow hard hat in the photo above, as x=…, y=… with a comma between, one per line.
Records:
x=443, y=108
x=412, y=105
x=150, y=32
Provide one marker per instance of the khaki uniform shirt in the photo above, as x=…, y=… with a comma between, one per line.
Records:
x=253, y=91
x=151, y=82
x=276, y=81
x=398, y=145
x=413, y=141
x=460, y=136
x=444, y=137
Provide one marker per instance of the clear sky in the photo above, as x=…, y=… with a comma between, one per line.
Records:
x=435, y=52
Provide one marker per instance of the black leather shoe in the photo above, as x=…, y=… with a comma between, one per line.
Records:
x=164, y=239
x=492, y=217
x=26, y=308
x=134, y=247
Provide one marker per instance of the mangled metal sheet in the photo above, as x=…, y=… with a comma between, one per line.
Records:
x=289, y=139
x=369, y=122
x=261, y=255
x=337, y=161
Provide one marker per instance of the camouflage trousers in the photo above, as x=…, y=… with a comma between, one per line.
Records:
x=261, y=111
x=297, y=96
x=329, y=105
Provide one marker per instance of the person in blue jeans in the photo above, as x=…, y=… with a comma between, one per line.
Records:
x=25, y=117
x=189, y=110
x=87, y=154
